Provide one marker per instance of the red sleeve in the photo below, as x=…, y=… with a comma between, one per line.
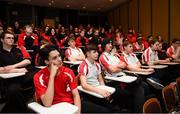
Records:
x=146, y=56
x=104, y=61
x=87, y=41
x=36, y=59
x=78, y=42
x=82, y=69
x=36, y=43
x=122, y=58
x=67, y=53
x=169, y=52
x=40, y=86
x=45, y=37
x=133, y=39
x=21, y=40
x=57, y=43
x=24, y=52
x=61, y=42
x=146, y=45
x=134, y=47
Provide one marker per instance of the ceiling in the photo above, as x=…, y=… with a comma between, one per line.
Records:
x=88, y=5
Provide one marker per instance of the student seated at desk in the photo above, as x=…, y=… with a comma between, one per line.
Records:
x=113, y=66
x=174, y=50
x=131, y=60
x=90, y=77
x=162, y=51
x=74, y=53
x=55, y=83
x=150, y=57
x=81, y=40
x=14, y=59
x=30, y=41
x=133, y=63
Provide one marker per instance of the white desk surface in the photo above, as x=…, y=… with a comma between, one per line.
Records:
x=125, y=79
x=40, y=67
x=135, y=72
x=107, y=88
x=170, y=63
x=11, y=75
x=73, y=63
x=155, y=66
x=60, y=108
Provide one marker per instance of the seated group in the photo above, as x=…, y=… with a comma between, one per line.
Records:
x=57, y=83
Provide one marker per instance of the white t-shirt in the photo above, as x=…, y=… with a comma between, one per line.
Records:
x=91, y=71
x=107, y=59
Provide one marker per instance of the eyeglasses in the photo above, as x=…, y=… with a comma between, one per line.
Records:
x=9, y=38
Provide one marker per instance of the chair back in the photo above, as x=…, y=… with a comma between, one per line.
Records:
x=152, y=105
x=178, y=85
x=169, y=97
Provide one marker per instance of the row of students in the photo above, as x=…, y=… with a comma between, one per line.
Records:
x=149, y=57
x=56, y=83
x=59, y=34
x=15, y=59
x=90, y=76
x=32, y=41
x=7, y=42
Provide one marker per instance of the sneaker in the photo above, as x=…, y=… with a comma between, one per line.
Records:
x=154, y=83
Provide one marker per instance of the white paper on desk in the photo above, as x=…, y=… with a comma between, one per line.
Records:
x=124, y=78
x=135, y=72
x=170, y=63
x=60, y=108
x=73, y=62
x=11, y=75
x=107, y=88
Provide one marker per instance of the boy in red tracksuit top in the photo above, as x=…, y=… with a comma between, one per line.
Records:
x=55, y=83
x=81, y=40
x=28, y=39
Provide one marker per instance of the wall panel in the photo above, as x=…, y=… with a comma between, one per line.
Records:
x=124, y=17
x=160, y=18
x=145, y=17
x=110, y=18
x=175, y=19
x=133, y=14
x=116, y=17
